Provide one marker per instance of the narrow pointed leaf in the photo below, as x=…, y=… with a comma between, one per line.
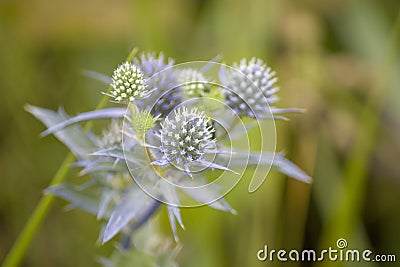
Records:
x=73, y=137
x=204, y=193
x=91, y=115
x=84, y=200
x=97, y=76
x=134, y=204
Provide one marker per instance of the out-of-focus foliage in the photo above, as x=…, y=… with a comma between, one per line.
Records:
x=336, y=59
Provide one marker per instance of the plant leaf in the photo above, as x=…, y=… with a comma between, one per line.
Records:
x=290, y=169
x=83, y=200
x=204, y=193
x=85, y=116
x=97, y=76
x=172, y=200
x=134, y=204
x=73, y=137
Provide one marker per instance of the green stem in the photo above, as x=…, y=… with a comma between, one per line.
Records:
x=18, y=251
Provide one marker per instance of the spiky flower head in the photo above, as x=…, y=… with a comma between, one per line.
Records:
x=161, y=77
x=112, y=136
x=151, y=63
x=251, y=88
x=128, y=83
x=186, y=136
x=194, y=84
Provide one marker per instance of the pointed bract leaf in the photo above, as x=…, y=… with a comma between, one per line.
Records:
x=172, y=199
x=98, y=76
x=73, y=137
x=134, y=204
x=90, y=115
x=84, y=200
x=105, y=200
x=290, y=169
x=204, y=193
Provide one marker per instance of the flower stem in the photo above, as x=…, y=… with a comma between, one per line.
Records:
x=18, y=251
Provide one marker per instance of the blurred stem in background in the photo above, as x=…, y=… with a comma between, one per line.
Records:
x=346, y=218
x=18, y=251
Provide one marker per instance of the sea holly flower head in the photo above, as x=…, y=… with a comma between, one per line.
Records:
x=128, y=83
x=151, y=63
x=185, y=138
x=251, y=89
x=194, y=84
x=112, y=136
x=162, y=78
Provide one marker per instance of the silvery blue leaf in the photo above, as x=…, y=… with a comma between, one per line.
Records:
x=134, y=204
x=84, y=200
x=170, y=196
x=173, y=212
x=290, y=169
x=210, y=63
x=73, y=137
x=85, y=116
x=223, y=75
x=266, y=159
x=270, y=117
x=239, y=130
x=105, y=262
x=203, y=193
x=213, y=165
x=105, y=200
x=98, y=76
x=147, y=215
x=275, y=110
x=134, y=157
x=282, y=164
x=102, y=166
x=161, y=162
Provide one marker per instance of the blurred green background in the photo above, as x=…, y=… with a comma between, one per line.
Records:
x=337, y=59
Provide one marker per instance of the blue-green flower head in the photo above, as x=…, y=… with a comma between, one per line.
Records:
x=194, y=84
x=162, y=78
x=112, y=136
x=128, y=83
x=252, y=88
x=151, y=63
x=187, y=136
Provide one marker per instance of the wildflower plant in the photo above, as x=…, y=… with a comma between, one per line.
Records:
x=179, y=137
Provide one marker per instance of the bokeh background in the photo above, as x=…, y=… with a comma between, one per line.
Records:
x=337, y=59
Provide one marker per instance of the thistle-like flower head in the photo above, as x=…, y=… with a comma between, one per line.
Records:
x=194, y=84
x=162, y=79
x=128, y=83
x=253, y=92
x=112, y=136
x=187, y=136
x=151, y=63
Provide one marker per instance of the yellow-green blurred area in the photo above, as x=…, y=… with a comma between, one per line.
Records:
x=340, y=60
